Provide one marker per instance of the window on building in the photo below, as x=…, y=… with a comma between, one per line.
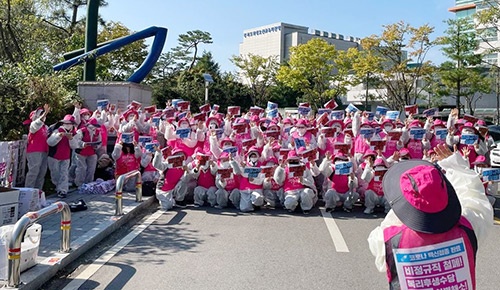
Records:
x=491, y=58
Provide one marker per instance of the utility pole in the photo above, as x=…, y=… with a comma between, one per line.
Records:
x=366, y=94
x=91, y=39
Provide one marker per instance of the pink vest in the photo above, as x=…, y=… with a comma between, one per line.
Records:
x=149, y=168
x=126, y=163
x=391, y=146
x=245, y=184
x=416, y=149
x=435, y=141
x=376, y=186
x=402, y=237
x=61, y=151
x=307, y=137
x=89, y=150
x=340, y=183
x=231, y=182
x=37, y=142
x=291, y=183
x=104, y=135
x=472, y=154
x=274, y=185
x=206, y=179
x=361, y=145
x=172, y=177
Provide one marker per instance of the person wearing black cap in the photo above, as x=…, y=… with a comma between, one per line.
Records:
x=430, y=237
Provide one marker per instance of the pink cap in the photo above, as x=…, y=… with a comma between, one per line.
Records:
x=301, y=122
x=93, y=122
x=292, y=154
x=480, y=159
x=68, y=119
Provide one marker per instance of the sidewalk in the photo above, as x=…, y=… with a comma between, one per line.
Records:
x=88, y=228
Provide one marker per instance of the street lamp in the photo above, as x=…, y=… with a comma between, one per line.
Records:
x=208, y=79
x=366, y=95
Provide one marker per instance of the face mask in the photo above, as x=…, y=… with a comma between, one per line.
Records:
x=212, y=126
x=226, y=145
x=302, y=131
x=67, y=127
x=130, y=118
x=479, y=170
x=468, y=132
x=86, y=117
x=184, y=126
x=388, y=128
x=253, y=159
x=91, y=129
x=225, y=164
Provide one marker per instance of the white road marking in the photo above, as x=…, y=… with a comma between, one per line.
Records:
x=337, y=238
x=104, y=258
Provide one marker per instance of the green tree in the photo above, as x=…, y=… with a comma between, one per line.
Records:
x=317, y=70
x=459, y=45
x=189, y=44
x=258, y=73
x=396, y=59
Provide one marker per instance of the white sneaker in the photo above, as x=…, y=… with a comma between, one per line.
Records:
x=368, y=211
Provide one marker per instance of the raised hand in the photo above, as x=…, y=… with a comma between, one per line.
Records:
x=442, y=152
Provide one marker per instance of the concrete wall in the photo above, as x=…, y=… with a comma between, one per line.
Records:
x=119, y=93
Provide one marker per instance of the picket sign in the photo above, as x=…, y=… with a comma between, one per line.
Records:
x=13, y=162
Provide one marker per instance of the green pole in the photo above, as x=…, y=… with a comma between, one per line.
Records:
x=91, y=39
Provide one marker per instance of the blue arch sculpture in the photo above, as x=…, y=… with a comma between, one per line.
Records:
x=160, y=35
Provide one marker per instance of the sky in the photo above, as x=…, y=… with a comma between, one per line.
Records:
x=226, y=20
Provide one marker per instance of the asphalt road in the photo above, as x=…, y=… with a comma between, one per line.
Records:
x=269, y=249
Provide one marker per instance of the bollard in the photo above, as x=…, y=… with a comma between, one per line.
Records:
x=14, y=253
x=120, y=182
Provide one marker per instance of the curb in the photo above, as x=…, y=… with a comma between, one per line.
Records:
x=44, y=271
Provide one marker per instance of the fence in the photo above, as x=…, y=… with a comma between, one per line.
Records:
x=13, y=162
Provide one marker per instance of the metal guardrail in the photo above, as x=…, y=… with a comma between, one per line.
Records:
x=120, y=182
x=14, y=253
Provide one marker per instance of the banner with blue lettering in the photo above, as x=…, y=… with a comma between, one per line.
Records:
x=299, y=142
x=417, y=133
x=468, y=139
x=145, y=139
x=183, y=133
x=392, y=115
x=491, y=174
x=127, y=138
x=433, y=112
x=321, y=111
x=370, y=115
x=343, y=168
x=438, y=266
x=441, y=133
x=304, y=111
x=150, y=147
x=381, y=111
x=232, y=150
x=102, y=104
x=251, y=172
x=337, y=115
x=272, y=113
x=156, y=121
x=271, y=105
x=351, y=109
x=367, y=132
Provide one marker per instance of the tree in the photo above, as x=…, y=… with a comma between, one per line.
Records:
x=460, y=75
x=189, y=43
x=258, y=72
x=318, y=70
x=396, y=58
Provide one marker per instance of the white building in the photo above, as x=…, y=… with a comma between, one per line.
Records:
x=276, y=40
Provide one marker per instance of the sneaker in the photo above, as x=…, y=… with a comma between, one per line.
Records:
x=329, y=209
x=180, y=204
x=305, y=211
x=78, y=206
x=61, y=194
x=347, y=209
x=196, y=205
x=368, y=211
x=218, y=207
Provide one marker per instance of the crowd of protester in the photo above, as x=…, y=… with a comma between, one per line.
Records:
x=246, y=160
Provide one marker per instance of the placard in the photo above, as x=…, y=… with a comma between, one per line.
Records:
x=331, y=104
x=343, y=148
x=329, y=132
x=370, y=116
x=127, y=138
x=491, y=174
x=272, y=113
x=351, y=109
x=145, y=139
x=323, y=119
x=239, y=127
x=176, y=161
x=268, y=170
x=251, y=172
x=150, y=147
x=376, y=145
x=439, y=266
x=394, y=135
x=367, y=132
x=392, y=115
x=304, y=111
x=225, y=173
x=169, y=113
x=183, y=105
x=411, y=110
x=102, y=104
x=166, y=151
x=183, y=133
x=379, y=174
x=136, y=105
x=381, y=111
x=150, y=109
x=231, y=150
x=441, y=133
x=272, y=134
x=433, y=112
x=343, y=168
x=174, y=102
x=204, y=108
x=337, y=115
x=156, y=121
x=470, y=118
x=310, y=154
x=299, y=142
x=271, y=105
x=215, y=108
x=234, y=110
x=323, y=111
x=181, y=115
x=247, y=143
x=256, y=110
x=296, y=170
x=284, y=153
x=417, y=133
x=468, y=139
x=200, y=117
x=202, y=158
x=219, y=132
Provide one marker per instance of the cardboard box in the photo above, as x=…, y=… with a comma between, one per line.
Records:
x=9, y=205
x=29, y=200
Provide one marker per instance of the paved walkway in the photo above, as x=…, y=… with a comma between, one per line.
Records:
x=88, y=228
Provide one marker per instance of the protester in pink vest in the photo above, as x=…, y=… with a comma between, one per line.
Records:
x=128, y=157
x=89, y=140
x=61, y=142
x=205, y=175
x=302, y=135
x=273, y=192
x=37, y=148
x=298, y=186
x=341, y=186
x=374, y=195
x=227, y=185
x=437, y=219
x=391, y=144
x=250, y=188
x=415, y=146
x=172, y=187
